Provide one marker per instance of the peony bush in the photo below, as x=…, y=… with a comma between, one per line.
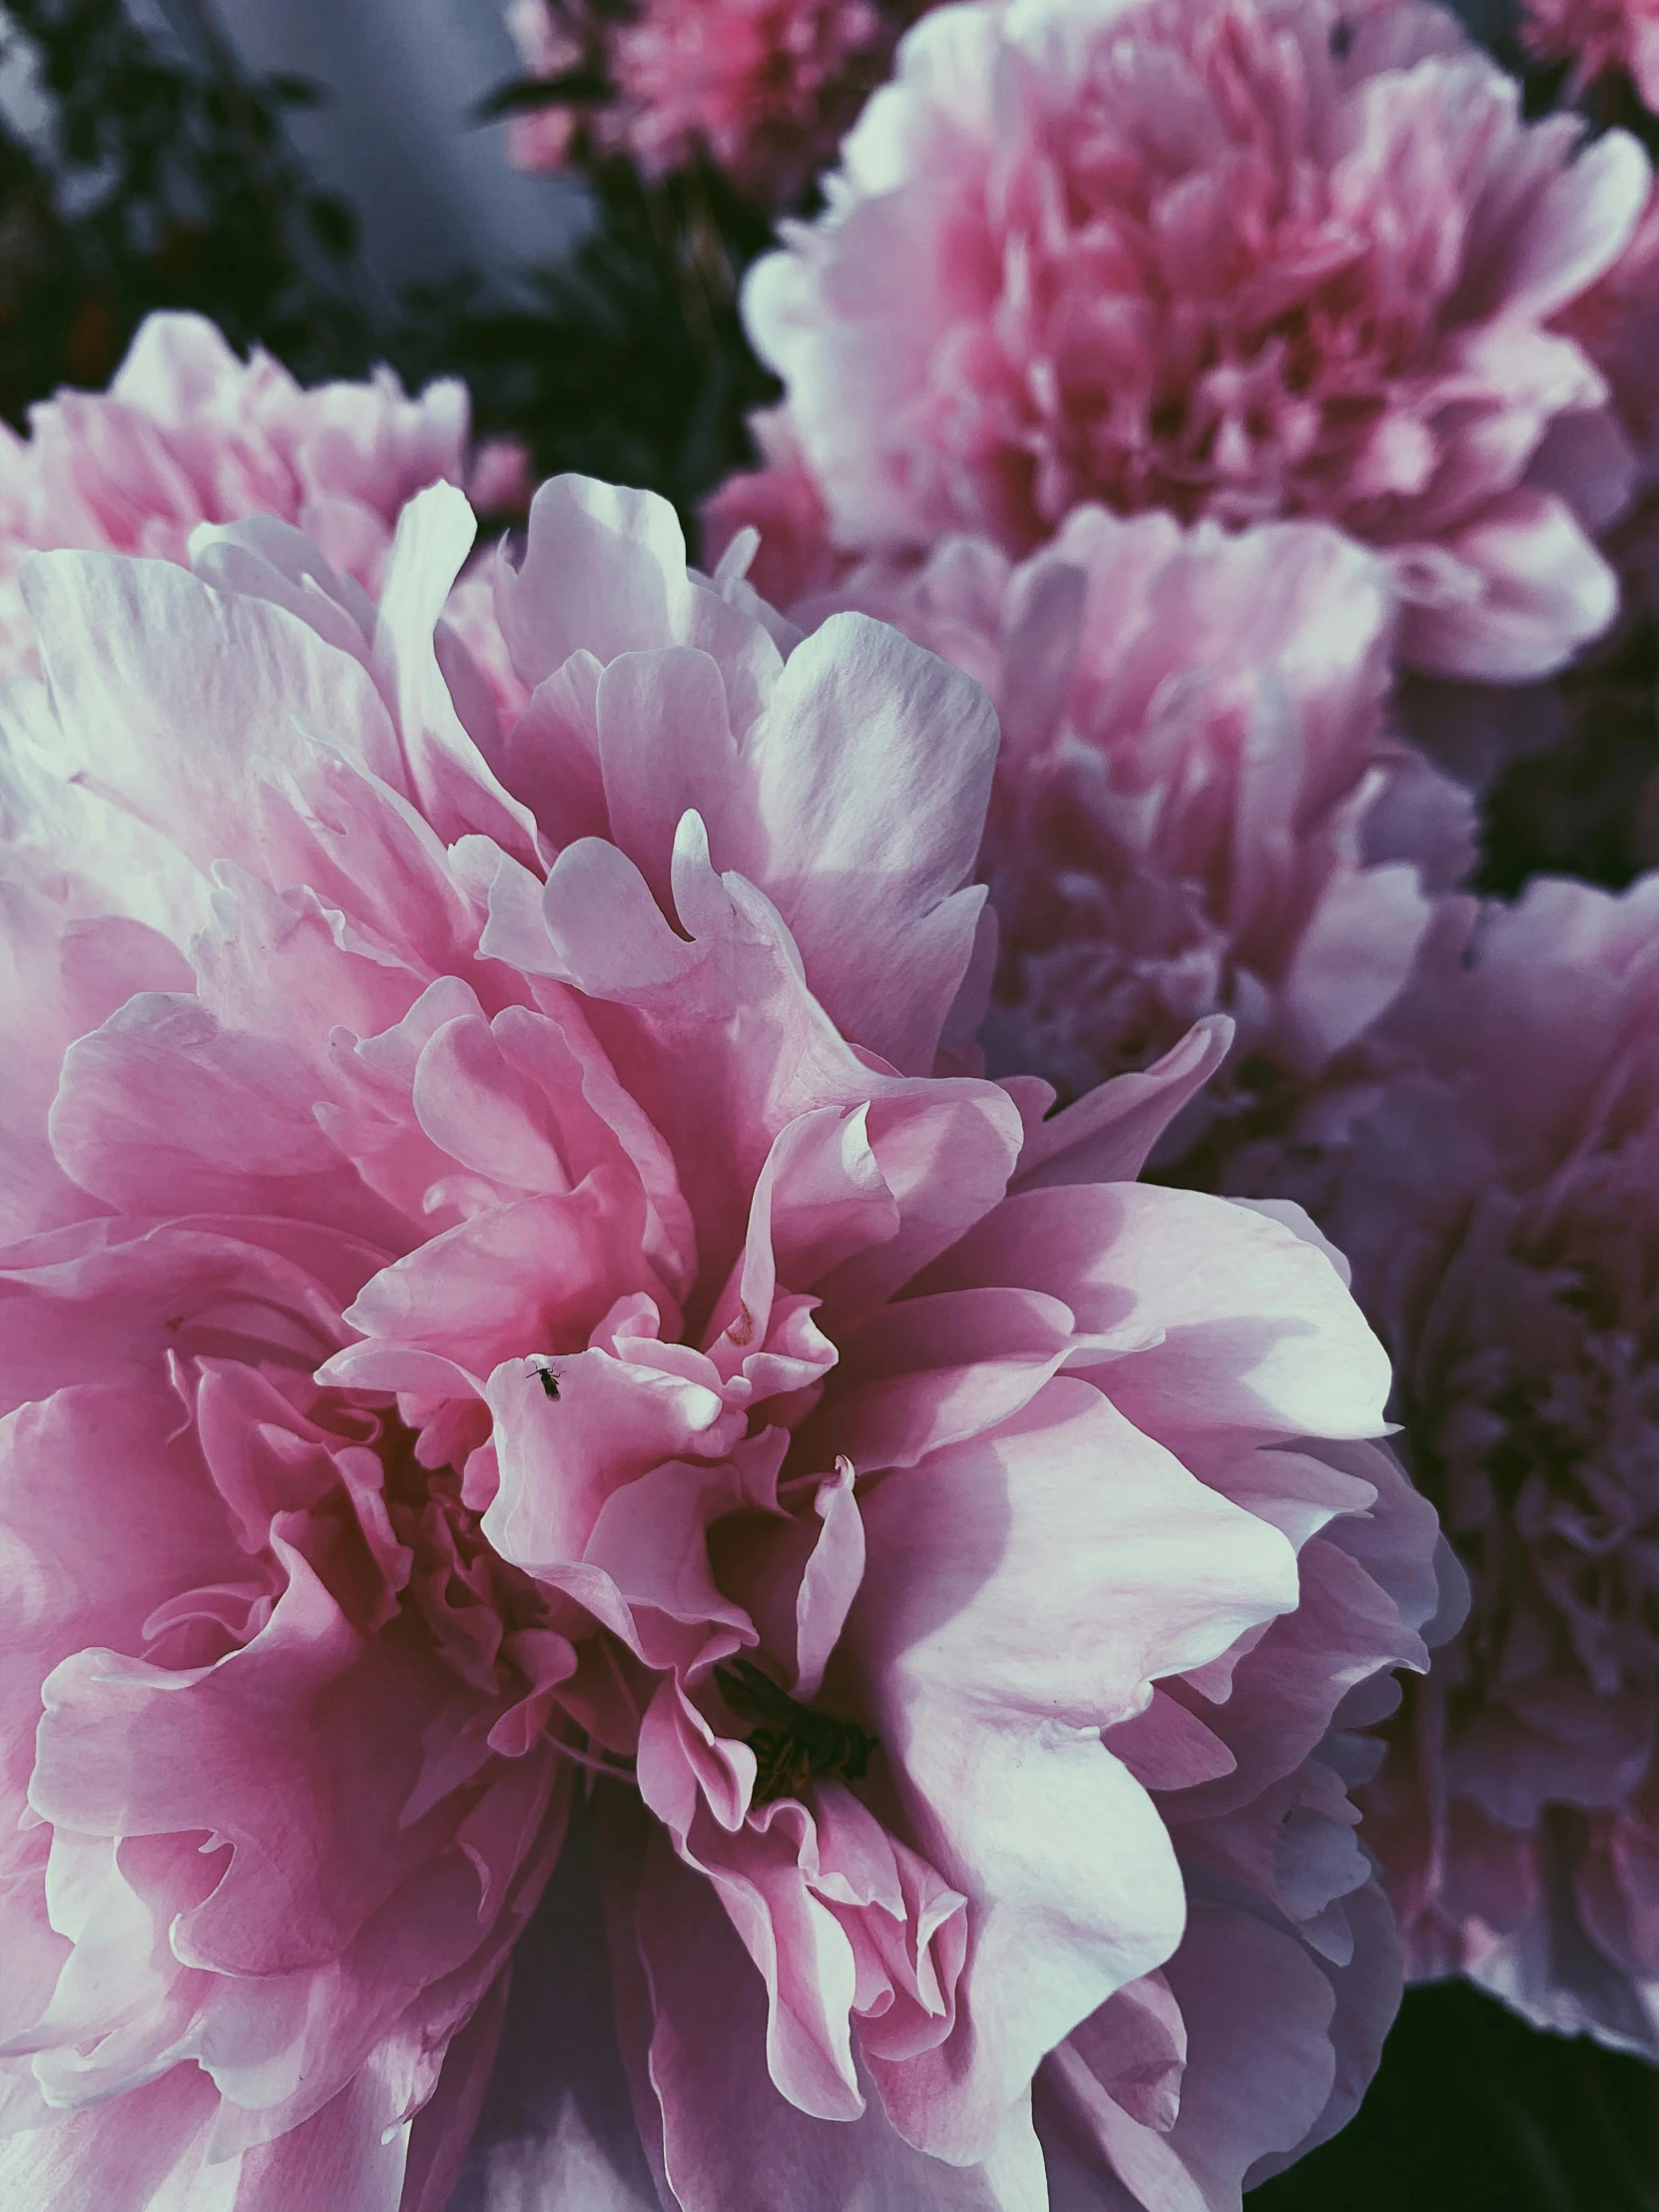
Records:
x=833, y=1384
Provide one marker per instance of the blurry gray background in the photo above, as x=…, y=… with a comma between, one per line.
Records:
x=434, y=192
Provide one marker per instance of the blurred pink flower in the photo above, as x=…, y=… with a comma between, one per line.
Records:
x=501, y=479
x=765, y=88
x=762, y=89
x=1491, y=1169
x=1197, y=809
x=189, y=432
x=791, y=555
x=550, y=43
x=509, y=1304
x=1234, y=258
x=1595, y=36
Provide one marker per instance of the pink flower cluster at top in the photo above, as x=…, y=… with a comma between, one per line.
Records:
x=1490, y=1165
x=507, y=1328
x=1231, y=259
x=762, y=89
x=1596, y=36
x=639, y=1569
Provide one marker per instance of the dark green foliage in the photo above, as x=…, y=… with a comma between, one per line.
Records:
x=1588, y=805
x=1473, y=2111
x=158, y=180
x=572, y=88
x=626, y=361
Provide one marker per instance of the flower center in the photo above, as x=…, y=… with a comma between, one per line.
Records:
x=795, y=1744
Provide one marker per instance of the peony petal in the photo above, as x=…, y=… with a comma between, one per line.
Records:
x=1536, y=590
x=1187, y=1301
x=869, y=893
x=154, y=723
x=1053, y=1837
x=1108, y=1136
x=728, y=2136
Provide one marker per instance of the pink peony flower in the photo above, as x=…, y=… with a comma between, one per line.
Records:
x=762, y=89
x=1595, y=36
x=1233, y=258
x=499, y=1306
x=1197, y=809
x=190, y=433
x=1492, y=1168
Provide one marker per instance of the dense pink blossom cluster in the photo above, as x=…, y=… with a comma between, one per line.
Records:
x=1233, y=258
x=1596, y=36
x=506, y=1326
x=762, y=89
x=1490, y=1166
x=639, y=1568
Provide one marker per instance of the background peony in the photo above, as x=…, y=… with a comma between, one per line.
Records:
x=1595, y=36
x=1241, y=260
x=780, y=506
x=1490, y=1169
x=190, y=433
x=762, y=89
x=497, y=1252
x=1197, y=809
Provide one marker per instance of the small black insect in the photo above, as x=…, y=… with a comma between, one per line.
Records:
x=797, y=1745
x=1341, y=40
x=549, y=1382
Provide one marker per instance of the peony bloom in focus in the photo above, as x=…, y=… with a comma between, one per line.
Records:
x=508, y=1338
x=1595, y=36
x=1196, y=808
x=1494, y=1174
x=1241, y=259
x=187, y=432
x=762, y=89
